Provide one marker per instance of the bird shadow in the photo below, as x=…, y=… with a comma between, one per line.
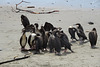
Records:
x=94, y=47
x=66, y=53
x=83, y=42
x=25, y=52
x=72, y=41
x=0, y=50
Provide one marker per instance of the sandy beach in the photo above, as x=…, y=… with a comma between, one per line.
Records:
x=10, y=32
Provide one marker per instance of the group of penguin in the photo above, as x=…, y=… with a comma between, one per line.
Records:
x=50, y=37
x=92, y=35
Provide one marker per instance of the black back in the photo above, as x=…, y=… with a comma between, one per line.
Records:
x=25, y=21
x=93, y=37
x=48, y=26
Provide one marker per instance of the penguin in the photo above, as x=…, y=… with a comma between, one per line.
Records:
x=25, y=21
x=93, y=37
x=44, y=35
x=72, y=31
x=65, y=42
x=80, y=32
x=23, y=41
x=31, y=38
x=31, y=41
x=38, y=43
x=54, y=43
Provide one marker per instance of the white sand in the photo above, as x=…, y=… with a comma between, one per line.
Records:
x=10, y=32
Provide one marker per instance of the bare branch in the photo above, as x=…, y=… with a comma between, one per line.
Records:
x=32, y=11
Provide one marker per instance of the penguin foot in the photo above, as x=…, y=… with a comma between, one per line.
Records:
x=65, y=50
x=51, y=51
x=31, y=49
x=58, y=54
x=0, y=49
x=72, y=51
x=37, y=52
x=93, y=47
x=64, y=53
x=44, y=50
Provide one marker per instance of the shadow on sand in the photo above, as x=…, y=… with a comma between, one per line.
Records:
x=83, y=42
x=94, y=47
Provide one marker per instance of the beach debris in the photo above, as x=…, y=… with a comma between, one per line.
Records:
x=0, y=6
x=18, y=9
x=91, y=23
x=15, y=59
x=92, y=56
x=31, y=7
x=59, y=20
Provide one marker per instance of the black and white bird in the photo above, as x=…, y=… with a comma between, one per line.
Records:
x=54, y=42
x=31, y=41
x=93, y=37
x=80, y=32
x=23, y=41
x=65, y=42
x=25, y=21
x=72, y=30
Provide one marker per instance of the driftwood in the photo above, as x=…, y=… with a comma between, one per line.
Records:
x=15, y=59
x=31, y=7
x=18, y=9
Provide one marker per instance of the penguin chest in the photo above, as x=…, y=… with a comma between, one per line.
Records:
x=32, y=37
x=24, y=40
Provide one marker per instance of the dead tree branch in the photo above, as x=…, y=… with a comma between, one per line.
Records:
x=18, y=9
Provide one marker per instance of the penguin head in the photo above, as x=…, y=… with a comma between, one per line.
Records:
x=70, y=26
x=42, y=27
x=37, y=25
x=23, y=30
x=78, y=24
x=22, y=16
x=94, y=29
x=59, y=28
x=46, y=22
x=32, y=28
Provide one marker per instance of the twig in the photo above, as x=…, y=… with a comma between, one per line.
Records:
x=15, y=59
